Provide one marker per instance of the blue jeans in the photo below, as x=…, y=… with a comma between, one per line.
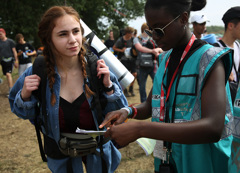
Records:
x=142, y=79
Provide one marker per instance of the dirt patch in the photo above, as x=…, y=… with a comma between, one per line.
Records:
x=19, y=151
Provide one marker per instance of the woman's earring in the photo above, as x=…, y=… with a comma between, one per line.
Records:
x=184, y=27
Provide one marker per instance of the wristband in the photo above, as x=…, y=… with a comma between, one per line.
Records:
x=109, y=88
x=134, y=109
x=128, y=110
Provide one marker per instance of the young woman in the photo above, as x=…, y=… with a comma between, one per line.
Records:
x=189, y=102
x=68, y=93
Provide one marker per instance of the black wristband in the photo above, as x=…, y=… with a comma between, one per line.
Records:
x=106, y=89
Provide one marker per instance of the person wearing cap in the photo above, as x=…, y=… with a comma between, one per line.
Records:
x=231, y=20
x=8, y=56
x=199, y=25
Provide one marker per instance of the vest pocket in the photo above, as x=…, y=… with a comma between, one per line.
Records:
x=187, y=85
x=185, y=97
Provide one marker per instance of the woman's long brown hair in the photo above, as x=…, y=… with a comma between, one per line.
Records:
x=45, y=29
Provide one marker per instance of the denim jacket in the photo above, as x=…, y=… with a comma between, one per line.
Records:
x=26, y=110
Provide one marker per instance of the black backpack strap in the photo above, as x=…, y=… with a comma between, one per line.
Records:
x=222, y=43
x=97, y=87
x=95, y=83
x=40, y=145
x=39, y=68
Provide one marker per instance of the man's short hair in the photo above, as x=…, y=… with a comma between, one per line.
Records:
x=18, y=37
x=129, y=30
x=231, y=14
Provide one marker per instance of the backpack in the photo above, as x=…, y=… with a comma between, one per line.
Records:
x=146, y=59
x=99, y=102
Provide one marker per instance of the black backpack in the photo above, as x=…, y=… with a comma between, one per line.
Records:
x=99, y=102
x=146, y=59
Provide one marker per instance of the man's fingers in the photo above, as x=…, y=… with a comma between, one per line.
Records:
x=106, y=123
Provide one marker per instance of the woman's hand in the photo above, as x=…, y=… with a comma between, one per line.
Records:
x=114, y=118
x=103, y=69
x=31, y=83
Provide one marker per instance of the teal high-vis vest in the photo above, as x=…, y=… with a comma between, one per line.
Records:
x=185, y=103
x=235, y=155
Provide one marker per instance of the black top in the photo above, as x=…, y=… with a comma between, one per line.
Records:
x=176, y=56
x=109, y=43
x=75, y=114
x=24, y=59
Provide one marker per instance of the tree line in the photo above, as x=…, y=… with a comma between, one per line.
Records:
x=23, y=16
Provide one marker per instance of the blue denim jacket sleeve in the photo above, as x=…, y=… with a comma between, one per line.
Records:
x=24, y=110
x=116, y=100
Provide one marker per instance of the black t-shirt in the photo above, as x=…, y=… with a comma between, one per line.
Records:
x=109, y=43
x=176, y=56
x=24, y=59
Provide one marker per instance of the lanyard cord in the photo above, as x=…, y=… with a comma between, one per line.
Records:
x=162, y=103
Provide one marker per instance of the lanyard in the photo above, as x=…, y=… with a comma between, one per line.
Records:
x=162, y=104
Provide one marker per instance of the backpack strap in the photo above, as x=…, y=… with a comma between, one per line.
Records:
x=39, y=68
x=96, y=85
x=222, y=43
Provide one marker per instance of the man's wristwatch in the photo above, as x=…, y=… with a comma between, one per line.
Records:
x=109, y=88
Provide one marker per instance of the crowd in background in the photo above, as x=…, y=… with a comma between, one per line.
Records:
x=140, y=55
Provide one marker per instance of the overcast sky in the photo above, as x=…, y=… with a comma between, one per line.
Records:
x=214, y=11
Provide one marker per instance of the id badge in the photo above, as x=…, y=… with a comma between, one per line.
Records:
x=159, y=151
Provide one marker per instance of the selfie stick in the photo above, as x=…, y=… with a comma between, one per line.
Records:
x=125, y=78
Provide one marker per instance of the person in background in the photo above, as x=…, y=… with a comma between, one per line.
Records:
x=147, y=51
x=110, y=41
x=120, y=46
x=190, y=102
x=8, y=57
x=231, y=20
x=68, y=94
x=25, y=51
x=199, y=25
